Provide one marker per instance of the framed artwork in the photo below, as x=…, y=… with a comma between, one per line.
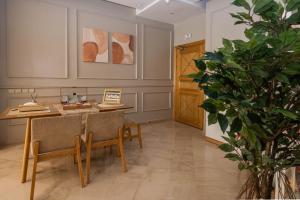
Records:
x=94, y=45
x=112, y=96
x=122, y=48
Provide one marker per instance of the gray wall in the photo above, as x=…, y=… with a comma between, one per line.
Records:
x=40, y=48
x=194, y=25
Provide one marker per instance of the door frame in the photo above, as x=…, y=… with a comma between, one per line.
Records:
x=175, y=87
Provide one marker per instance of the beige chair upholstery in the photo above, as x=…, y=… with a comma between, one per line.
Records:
x=105, y=125
x=56, y=133
x=104, y=129
x=55, y=137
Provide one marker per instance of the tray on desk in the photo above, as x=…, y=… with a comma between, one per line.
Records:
x=76, y=106
x=32, y=108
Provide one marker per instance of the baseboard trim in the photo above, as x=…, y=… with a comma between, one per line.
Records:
x=213, y=141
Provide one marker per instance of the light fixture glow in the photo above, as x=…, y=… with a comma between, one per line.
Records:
x=167, y=1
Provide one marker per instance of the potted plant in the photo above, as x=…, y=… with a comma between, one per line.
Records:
x=253, y=93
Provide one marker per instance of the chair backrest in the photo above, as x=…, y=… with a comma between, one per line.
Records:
x=55, y=133
x=104, y=125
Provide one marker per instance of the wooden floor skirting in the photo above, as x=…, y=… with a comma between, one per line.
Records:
x=213, y=141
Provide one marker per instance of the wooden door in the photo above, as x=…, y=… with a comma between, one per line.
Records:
x=188, y=96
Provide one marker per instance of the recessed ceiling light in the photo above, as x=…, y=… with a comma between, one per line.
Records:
x=167, y=1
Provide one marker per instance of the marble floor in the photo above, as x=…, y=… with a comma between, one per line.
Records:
x=176, y=163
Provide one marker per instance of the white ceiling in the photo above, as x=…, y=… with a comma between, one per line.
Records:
x=138, y=4
x=173, y=12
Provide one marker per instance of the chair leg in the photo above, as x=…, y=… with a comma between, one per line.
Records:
x=110, y=150
x=36, y=146
x=121, y=149
x=118, y=148
x=75, y=159
x=129, y=134
x=88, y=157
x=140, y=135
x=79, y=161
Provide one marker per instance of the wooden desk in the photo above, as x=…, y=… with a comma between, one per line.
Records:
x=53, y=111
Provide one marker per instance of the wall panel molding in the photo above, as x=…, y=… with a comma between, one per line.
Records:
x=46, y=74
x=157, y=100
x=169, y=73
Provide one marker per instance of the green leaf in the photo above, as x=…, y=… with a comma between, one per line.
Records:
x=258, y=71
x=236, y=16
x=294, y=18
x=245, y=15
x=262, y=6
x=258, y=130
x=209, y=107
x=236, y=125
x=212, y=118
x=226, y=147
x=247, y=154
x=240, y=142
x=239, y=22
x=233, y=157
x=282, y=78
x=216, y=57
x=227, y=44
x=231, y=112
x=200, y=64
x=286, y=113
x=242, y=3
x=242, y=166
x=204, y=79
x=292, y=69
x=193, y=76
x=250, y=135
x=230, y=140
x=293, y=5
x=266, y=160
x=296, y=162
x=288, y=37
x=223, y=122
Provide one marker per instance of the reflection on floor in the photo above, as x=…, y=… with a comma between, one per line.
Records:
x=176, y=163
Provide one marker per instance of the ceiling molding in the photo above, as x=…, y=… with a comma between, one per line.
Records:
x=172, y=12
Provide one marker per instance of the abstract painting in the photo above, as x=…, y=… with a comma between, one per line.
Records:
x=122, y=48
x=95, y=45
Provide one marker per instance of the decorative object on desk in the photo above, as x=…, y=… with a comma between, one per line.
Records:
x=31, y=106
x=253, y=93
x=82, y=99
x=112, y=97
x=77, y=106
x=73, y=99
x=122, y=48
x=64, y=99
x=33, y=97
x=95, y=45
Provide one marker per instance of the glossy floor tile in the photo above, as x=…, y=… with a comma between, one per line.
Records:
x=176, y=163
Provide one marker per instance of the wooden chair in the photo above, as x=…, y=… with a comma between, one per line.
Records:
x=55, y=137
x=104, y=130
x=128, y=132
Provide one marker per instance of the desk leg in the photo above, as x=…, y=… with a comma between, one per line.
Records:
x=26, y=150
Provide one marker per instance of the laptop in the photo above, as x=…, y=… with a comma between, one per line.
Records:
x=111, y=98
